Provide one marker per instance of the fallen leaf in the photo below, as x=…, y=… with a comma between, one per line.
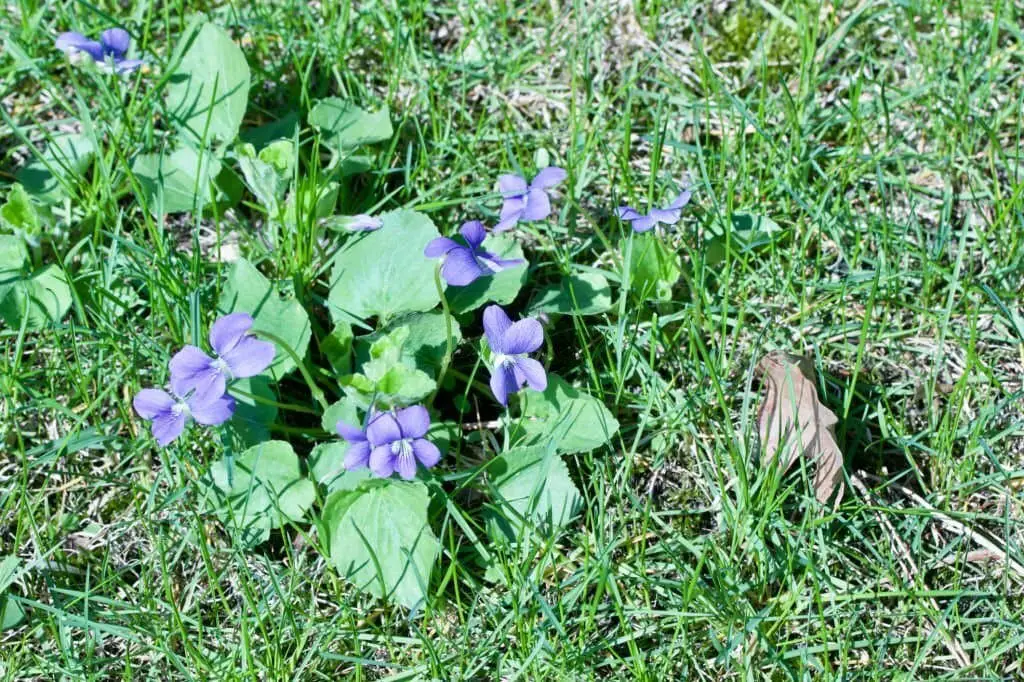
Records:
x=792, y=422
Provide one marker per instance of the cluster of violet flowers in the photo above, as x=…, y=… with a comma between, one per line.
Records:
x=199, y=383
x=393, y=440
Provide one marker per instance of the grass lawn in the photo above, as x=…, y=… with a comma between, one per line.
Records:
x=857, y=200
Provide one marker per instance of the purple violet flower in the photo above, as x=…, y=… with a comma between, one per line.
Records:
x=239, y=355
x=464, y=263
x=394, y=442
x=358, y=455
x=510, y=342
x=108, y=52
x=363, y=223
x=169, y=412
x=665, y=216
x=527, y=202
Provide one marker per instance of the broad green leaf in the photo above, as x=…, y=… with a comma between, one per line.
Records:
x=748, y=233
x=343, y=410
x=208, y=90
x=574, y=421
x=11, y=613
x=177, y=181
x=586, y=293
x=337, y=348
x=534, y=483
x=19, y=215
x=326, y=466
x=344, y=126
x=384, y=273
x=13, y=257
x=9, y=571
x=385, y=377
x=44, y=298
x=261, y=489
x=653, y=268
x=425, y=346
x=247, y=290
x=381, y=540
x=283, y=128
x=502, y=287
x=268, y=174
x=65, y=159
x=250, y=424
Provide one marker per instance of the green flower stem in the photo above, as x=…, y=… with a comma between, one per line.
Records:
x=314, y=390
x=267, y=401
x=449, y=348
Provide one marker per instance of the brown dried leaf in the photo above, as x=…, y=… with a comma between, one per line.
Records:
x=793, y=422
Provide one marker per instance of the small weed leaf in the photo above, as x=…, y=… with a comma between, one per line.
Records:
x=381, y=540
x=343, y=126
x=268, y=173
x=585, y=293
x=261, y=489
x=64, y=160
x=424, y=346
x=748, y=233
x=208, y=91
x=247, y=290
x=793, y=423
x=36, y=301
x=653, y=268
x=384, y=273
x=565, y=416
x=177, y=181
x=19, y=215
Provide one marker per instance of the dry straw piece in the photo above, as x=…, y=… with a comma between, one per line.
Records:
x=793, y=423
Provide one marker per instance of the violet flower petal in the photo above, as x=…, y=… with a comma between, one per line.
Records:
x=413, y=421
x=496, y=323
x=524, y=336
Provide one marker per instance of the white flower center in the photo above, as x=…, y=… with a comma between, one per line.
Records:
x=401, y=448
x=180, y=408
x=221, y=367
